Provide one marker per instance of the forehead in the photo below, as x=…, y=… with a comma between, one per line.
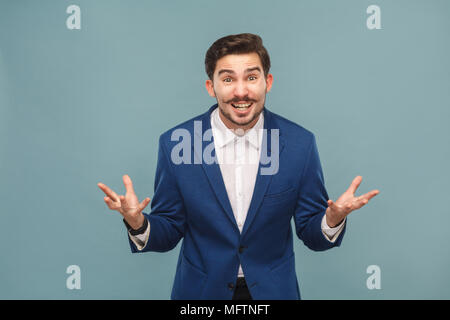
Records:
x=238, y=62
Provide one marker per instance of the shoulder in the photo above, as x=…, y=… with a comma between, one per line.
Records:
x=290, y=130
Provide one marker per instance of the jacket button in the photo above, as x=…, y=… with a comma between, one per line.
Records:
x=231, y=286
x=241, y=249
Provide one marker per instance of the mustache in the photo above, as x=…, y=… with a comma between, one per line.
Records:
x=237, y=99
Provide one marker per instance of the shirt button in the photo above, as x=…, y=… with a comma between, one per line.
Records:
x=241, y=249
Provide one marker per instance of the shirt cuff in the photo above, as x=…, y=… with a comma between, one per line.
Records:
x=140, y=236
x=331, y=234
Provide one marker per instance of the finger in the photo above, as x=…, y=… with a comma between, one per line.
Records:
x=144, y=203
x=361, y=199
x=355, y=184
x=372, y=194
x=369, y=195
x=123, y=201
x=111, y=204
x=128, y=183
x=108, y=191
x=359, y=202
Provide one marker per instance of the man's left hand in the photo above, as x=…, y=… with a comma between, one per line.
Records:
x=347, y=202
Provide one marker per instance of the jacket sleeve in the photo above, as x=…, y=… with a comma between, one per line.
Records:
x=312, y=204
x=167, y=216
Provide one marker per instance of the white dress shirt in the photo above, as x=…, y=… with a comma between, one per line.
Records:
x=238, y=157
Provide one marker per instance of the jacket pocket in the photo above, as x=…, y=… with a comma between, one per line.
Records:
x=286, y=195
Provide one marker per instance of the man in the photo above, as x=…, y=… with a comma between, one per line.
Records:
x=235, y=217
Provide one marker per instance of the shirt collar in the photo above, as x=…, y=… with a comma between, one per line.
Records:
x=223, y=135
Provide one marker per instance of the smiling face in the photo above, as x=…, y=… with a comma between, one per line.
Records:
x=240, y=88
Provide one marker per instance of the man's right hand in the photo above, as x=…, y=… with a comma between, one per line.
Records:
x=127, y=205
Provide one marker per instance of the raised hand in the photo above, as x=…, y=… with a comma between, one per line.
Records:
x=347, y=202
x=127, y=205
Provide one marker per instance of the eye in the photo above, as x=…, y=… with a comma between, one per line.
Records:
x=251, y=78
x=227, y=80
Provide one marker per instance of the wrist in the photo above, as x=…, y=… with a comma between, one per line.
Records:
x=331, y=221
x=137, y=223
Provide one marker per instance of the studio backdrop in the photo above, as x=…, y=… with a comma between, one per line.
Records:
x=87, y=87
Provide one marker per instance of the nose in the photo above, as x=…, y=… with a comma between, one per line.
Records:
x=240, y=90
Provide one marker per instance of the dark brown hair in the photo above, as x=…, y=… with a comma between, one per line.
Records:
x=236, y=44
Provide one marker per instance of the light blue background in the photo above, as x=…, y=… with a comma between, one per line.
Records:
x=78, y=107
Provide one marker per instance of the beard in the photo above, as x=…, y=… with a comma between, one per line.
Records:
x=229, y=116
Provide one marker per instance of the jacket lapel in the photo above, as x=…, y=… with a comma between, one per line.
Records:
x=212, y=171
x=263, y=181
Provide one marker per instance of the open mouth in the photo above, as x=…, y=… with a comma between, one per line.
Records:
x=242, y=106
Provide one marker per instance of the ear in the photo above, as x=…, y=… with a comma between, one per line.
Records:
x=210, y=88
x=269, y=81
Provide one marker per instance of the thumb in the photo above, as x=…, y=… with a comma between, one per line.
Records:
x=144, y=203
x=332, y=205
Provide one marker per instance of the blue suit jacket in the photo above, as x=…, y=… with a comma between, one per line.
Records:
x=190, y=202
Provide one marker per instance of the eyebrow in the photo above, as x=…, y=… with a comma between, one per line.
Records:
x=232, y=72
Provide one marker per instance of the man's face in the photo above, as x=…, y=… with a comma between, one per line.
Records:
x=240, y=88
